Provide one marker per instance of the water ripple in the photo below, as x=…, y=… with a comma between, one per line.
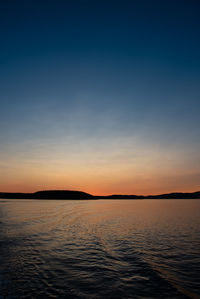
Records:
x=99, y=249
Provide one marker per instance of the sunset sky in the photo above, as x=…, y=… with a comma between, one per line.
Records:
x=100, y=96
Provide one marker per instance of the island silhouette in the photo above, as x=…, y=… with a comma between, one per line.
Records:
x=70, y=194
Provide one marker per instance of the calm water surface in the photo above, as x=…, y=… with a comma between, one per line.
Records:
x=100, y=249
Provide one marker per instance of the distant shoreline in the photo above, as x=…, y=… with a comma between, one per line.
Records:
x=69, y=194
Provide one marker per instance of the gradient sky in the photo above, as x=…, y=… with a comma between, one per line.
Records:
x=100, y=96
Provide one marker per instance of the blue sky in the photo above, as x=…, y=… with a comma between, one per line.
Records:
x=100, y=92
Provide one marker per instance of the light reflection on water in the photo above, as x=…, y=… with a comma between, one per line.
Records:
x=99, y=249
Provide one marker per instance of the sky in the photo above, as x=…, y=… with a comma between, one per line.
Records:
x=100, y=96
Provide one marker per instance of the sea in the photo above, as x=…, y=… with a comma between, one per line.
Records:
x=99, y=249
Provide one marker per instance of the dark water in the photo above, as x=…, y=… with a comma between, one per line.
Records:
x=100, y=249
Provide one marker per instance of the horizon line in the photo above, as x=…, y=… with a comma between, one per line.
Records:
x=105, y=195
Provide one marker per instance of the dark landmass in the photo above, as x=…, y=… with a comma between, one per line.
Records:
x=49, y=194
x=68, y=194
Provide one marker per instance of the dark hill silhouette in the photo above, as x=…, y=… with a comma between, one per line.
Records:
x=177, y=195
x=62, y=194
x=49, y=194
x=70, y=194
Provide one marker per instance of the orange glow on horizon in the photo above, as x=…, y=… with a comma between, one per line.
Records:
x=102, y=168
